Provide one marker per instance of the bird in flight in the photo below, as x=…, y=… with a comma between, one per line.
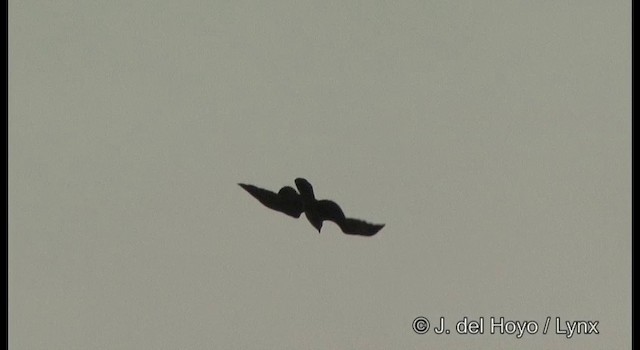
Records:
x=292, y=203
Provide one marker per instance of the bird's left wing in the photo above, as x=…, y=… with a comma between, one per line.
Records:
x=286, y=201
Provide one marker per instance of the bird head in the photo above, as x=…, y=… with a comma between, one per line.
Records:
x=305, y=188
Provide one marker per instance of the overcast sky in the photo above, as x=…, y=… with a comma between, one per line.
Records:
x=491, y=137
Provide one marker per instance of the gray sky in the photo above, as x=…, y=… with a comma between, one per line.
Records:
x=492, y=138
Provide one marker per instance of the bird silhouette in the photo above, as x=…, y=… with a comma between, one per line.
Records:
x=292, y=203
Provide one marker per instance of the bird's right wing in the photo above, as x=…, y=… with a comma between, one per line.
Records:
x=359, y=227
x=331, y=211
x=286, y=201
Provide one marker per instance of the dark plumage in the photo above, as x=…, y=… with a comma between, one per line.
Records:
x=289, y=202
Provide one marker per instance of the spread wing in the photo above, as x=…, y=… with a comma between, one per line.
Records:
x=359, y=227
x=286, y=201
x=331, y=211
